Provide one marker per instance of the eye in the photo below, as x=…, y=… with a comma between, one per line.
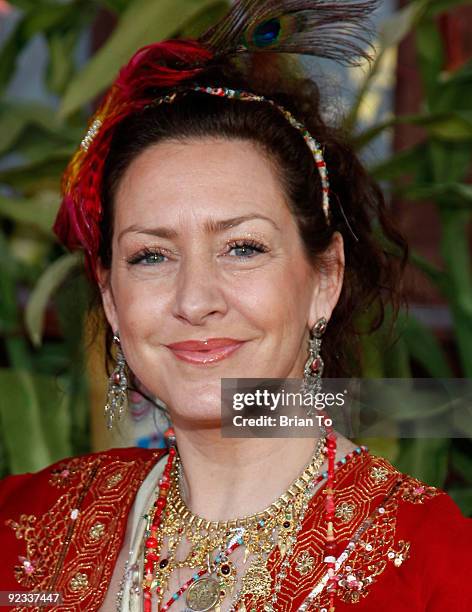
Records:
x=147, y=257
x=247, y=248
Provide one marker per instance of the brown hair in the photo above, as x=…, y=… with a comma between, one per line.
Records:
x=373, y=274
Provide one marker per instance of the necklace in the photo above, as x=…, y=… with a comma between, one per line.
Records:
x=258, y=533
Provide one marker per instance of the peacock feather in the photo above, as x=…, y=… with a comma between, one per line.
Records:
x=335, y=30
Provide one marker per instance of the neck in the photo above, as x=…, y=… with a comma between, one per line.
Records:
x=226, y=478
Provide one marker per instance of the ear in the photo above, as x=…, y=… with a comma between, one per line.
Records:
x=108, y=301
x=329, y=281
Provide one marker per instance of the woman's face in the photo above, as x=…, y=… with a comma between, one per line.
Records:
x=205, y=247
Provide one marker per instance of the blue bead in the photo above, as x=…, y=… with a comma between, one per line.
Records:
x=195, y=576
x=266, y=33
x=175, y=596
x=343, y=460
x=358, y=451
x=325, y=474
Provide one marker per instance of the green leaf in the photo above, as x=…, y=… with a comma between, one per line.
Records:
x=34, y=177
x=400, y=163
x=435, y=7
x=117, y=6
x=39, y=213
x=430, y=52
x=436, y=276
x=61, y=63
x=396, y=360
x=143, y=23
x=34, y=417
x=426, y=459
x=455, y=250
x=25, y=5
x=460, y=76
x=457, y=126
x=34, y=146
x=454, y=126
x=462, y=462
x=16, y=120
x=49, y=282
x=204, y=20
x=463, y=498
x=462, y=420
x=448, y=195
x=424, y=347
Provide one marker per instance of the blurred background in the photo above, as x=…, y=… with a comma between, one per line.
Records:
x=410, y=117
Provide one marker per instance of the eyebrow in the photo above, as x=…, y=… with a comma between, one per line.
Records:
x=211, y=226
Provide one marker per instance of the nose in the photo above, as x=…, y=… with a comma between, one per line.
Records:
x=199, y=292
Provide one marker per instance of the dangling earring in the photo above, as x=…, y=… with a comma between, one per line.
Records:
x=314, y=364
x=117, y=397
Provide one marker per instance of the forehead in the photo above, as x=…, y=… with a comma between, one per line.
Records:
x=207, y=175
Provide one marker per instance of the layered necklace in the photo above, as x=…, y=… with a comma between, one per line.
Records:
x=211, y=543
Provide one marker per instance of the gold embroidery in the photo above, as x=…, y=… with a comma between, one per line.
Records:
x=79, y=582
x=366, y=482
x=61, y=544
x=96, y=531
x=64, y=474
x=400, y=555
x=345, y=511
x=28, y=572
x=417, y=493
x=354, y=585
x=304, y=562
x=114, y=480
x=379, y=474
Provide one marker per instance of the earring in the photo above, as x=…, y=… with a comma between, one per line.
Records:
x=117, y=397
x=314, y=364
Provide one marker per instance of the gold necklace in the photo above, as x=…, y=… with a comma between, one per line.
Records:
x=259, y=533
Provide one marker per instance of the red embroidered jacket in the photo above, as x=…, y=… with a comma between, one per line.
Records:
x=61, y=530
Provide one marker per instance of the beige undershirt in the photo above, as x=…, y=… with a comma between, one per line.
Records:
x=133, y=541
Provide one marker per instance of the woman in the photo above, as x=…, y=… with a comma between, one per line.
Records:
x=198, y=193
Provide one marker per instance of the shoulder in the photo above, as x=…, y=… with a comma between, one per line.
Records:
x=66, y=471
x=433, y=538
x=421, y=508
x=404, y=541
x=76, y=504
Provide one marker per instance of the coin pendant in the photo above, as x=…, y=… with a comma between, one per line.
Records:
x=203, y=594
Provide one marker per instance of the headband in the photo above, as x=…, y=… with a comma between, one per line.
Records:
x=321, y=28
x=238, y=94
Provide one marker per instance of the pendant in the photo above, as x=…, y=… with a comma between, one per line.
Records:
x=226, y=574
x=203, y=594
x=257, y=579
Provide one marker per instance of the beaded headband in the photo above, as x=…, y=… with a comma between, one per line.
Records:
x=238, y=94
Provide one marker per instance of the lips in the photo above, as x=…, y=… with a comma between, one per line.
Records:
x=205, y=351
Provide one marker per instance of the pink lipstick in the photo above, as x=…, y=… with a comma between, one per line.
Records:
x=201, y=352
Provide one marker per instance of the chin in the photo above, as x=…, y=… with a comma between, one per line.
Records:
x=197, y=405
